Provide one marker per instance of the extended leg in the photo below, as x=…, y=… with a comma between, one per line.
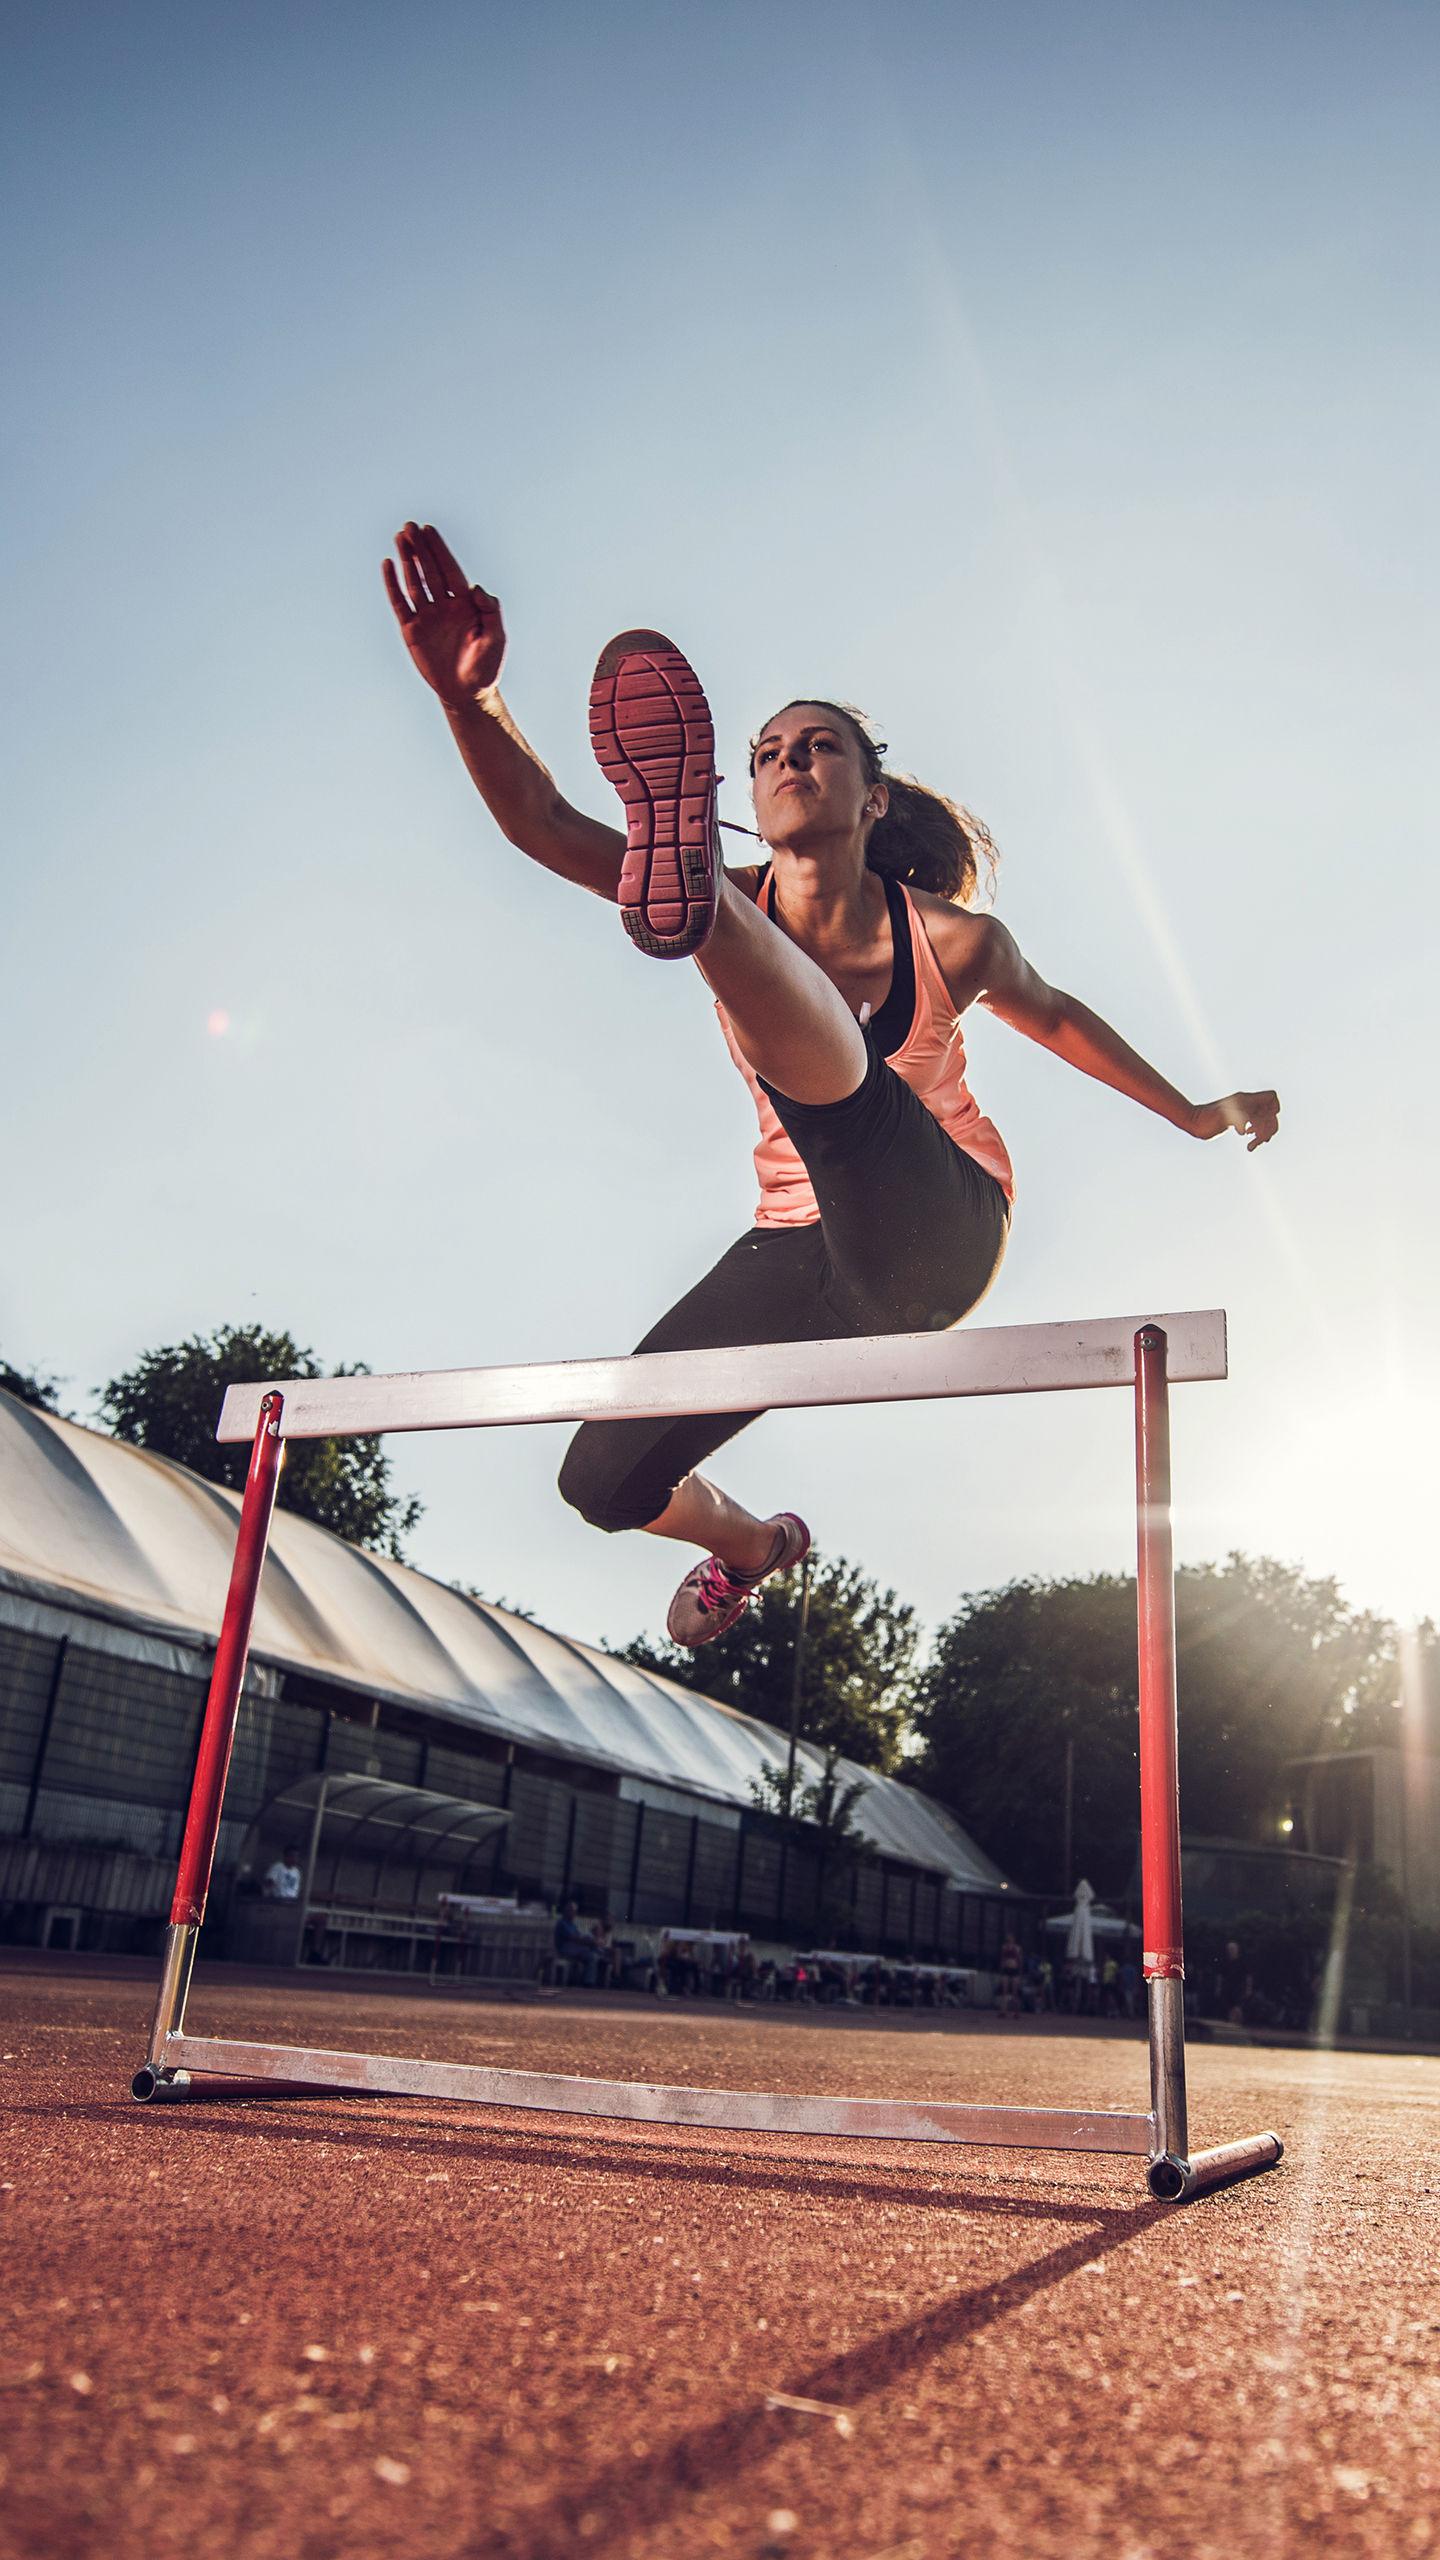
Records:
x=651, y=730
x=792, y=1024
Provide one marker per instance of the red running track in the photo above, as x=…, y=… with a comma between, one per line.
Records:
x=285, y=2331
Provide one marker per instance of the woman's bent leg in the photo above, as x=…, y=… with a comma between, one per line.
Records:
x=702, y=1514
x=640, y=1475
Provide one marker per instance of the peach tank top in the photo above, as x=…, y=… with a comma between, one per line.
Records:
x=931, y=1059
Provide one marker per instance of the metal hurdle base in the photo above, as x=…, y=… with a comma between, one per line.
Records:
x=184, y=2067
x=1146, y=1353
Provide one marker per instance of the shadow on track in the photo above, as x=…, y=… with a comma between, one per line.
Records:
x=814, y=2172
x=629, y=2496
x=604, y=2514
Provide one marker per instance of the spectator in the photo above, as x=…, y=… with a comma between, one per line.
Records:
x=281, y=1881
x=1012, y=1965
x=575, y=1947
x=607, y=1954
x=1110, y=1988
x=1129, y=1985
x=1236, y=1986
x=680, y=1965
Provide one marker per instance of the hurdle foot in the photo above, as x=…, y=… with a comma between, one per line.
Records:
x=1174, y=2180
x=151, y=2084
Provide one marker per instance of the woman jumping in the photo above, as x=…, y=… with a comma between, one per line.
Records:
x=841, y=968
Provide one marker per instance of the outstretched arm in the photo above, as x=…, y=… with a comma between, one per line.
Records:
x=1019, y=995
x=455, y=634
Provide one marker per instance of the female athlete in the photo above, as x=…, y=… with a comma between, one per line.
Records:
x=842, y=967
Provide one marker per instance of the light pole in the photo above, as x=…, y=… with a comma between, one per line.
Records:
x=1067, y=1856
x=797, y=1674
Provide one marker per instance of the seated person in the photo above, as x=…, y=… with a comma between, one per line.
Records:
x=282, y=1878
x=575, y=1947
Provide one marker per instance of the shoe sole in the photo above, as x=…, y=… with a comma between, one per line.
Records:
x=653, y=738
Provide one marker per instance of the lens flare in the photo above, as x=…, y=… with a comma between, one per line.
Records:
x=957, y=338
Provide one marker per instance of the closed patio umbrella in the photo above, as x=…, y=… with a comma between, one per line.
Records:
x=1080, y=1944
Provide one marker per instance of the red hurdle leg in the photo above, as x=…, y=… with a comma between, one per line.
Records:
x=1173, y=2172
x=1164, y=1957
x=217, y=1738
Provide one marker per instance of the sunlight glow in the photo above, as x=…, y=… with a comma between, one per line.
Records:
x=1064, y=662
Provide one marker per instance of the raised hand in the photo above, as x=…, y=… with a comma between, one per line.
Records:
x=1253, y=1116
x=453, y=631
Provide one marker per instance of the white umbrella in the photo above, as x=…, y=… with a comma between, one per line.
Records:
x=1104, y=1924
x=1080, y=1944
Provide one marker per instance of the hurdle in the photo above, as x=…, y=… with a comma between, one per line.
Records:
x=1145, y=1353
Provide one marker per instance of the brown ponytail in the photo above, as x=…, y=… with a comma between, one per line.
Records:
x=924, y=840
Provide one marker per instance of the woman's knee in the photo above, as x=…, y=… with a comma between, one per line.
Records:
x=600, y=1480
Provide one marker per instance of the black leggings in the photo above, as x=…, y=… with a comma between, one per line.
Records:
x=911, y=1233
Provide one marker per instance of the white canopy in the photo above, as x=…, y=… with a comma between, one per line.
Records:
x=136, y=1539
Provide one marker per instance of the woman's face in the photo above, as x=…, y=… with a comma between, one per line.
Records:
x=810, y=780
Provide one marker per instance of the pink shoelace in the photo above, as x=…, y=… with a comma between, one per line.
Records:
x=716, y=1587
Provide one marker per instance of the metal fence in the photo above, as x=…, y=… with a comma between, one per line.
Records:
x=96, y=1756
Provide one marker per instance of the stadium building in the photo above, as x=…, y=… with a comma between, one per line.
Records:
x=407, y=1740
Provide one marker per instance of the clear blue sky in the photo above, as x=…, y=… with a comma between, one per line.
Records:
x=1059, y=383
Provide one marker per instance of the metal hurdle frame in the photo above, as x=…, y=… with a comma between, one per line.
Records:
x=1148, y=1353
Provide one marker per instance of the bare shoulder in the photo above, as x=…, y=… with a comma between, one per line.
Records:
x=964, y=944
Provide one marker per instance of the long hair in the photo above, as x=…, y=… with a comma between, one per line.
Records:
x=924, y=840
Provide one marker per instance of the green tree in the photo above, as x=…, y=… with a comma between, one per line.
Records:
x=1272, y=1665
x=826, y=1807
x=1013, y=1676
x=1401, y=1709
x=821, y=1801
x=859, y=1661
x=36, y=1387
x=170, y=1402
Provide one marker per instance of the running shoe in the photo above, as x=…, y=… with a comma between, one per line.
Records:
x=713, y=1595
x=652, y=735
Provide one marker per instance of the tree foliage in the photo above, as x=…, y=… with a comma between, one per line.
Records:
x=1272, y=1666
x=821, y=1801
x=824, y=1807
x=170, y=1402
x=31, y=1387
x=859, y=1661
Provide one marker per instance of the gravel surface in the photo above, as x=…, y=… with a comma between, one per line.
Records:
x=281, y=2331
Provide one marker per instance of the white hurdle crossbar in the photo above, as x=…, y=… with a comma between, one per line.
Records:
x=1145, y=1353
x=884, y=1368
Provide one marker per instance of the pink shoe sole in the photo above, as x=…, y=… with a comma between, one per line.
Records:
x=651, y=731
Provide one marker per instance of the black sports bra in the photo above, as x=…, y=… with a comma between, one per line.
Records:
x=891, y=1027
